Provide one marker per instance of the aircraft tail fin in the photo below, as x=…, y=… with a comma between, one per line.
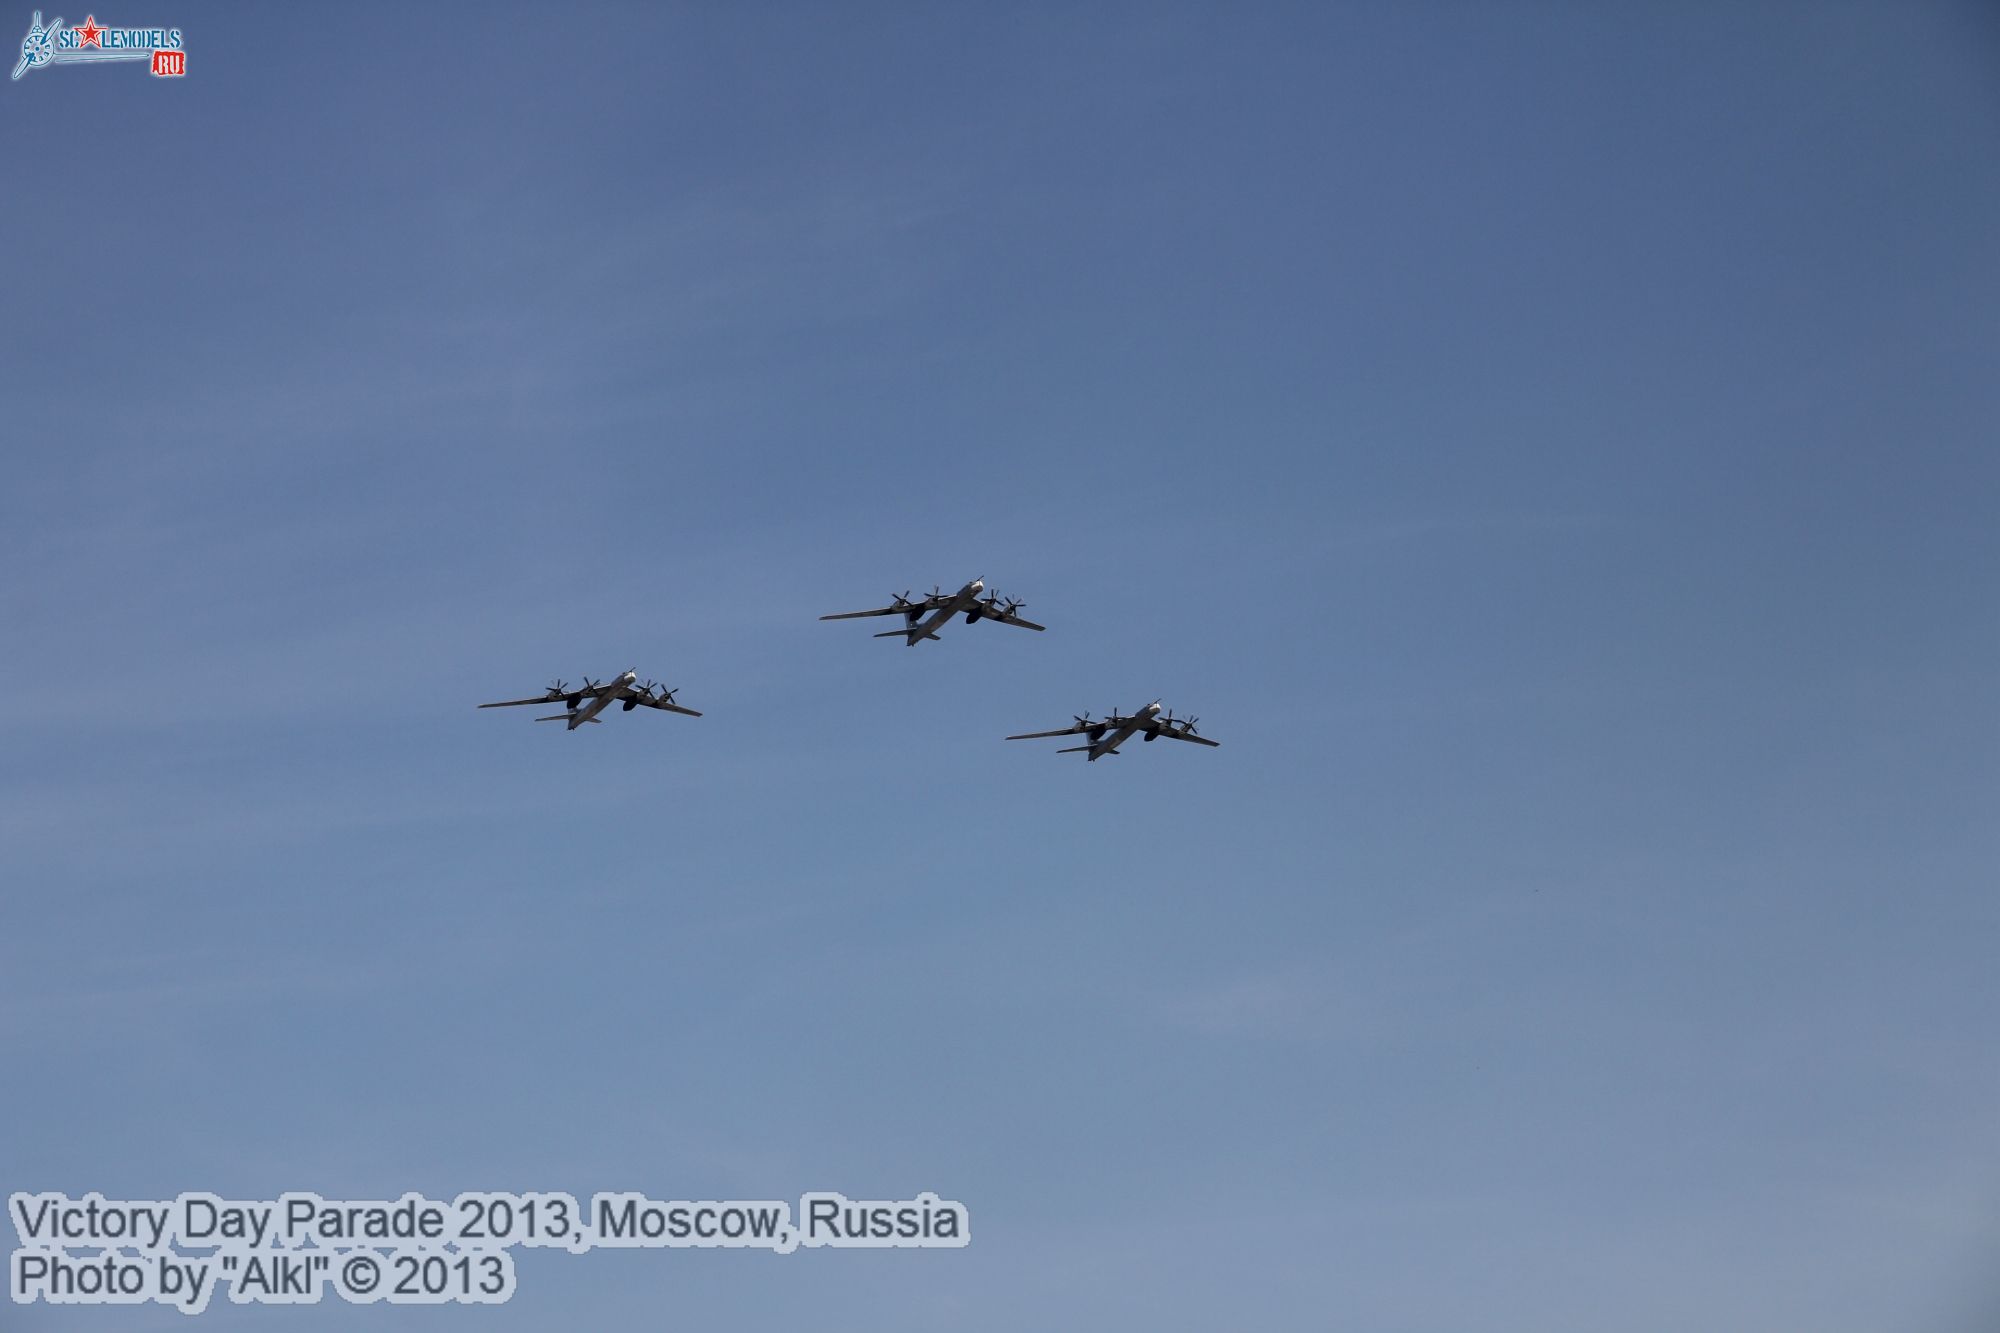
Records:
x=1075, y=749
x=915, y=636
x=569, y=718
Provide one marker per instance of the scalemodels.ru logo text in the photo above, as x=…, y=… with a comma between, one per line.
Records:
x=93, y=44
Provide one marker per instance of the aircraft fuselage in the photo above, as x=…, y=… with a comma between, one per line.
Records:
x=962, y=601
x=584, y=712
x=1126, y=730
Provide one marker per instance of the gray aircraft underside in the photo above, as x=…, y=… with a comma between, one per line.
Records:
x=583, y=705
x=924, y=617
x=1106, y=734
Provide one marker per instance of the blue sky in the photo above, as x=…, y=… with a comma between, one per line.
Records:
x=1550, y=446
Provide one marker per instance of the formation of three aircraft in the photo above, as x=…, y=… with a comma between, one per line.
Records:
x=921, y=620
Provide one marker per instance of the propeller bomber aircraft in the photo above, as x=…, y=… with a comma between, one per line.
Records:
x=1107, y=734
x=924, y=617
x=584, y=705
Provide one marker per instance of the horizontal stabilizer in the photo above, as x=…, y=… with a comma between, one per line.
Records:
x=1079, y=749
x=566, y=717
x=913, y=635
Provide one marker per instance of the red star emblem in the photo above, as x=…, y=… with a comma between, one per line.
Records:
x=88, y=32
